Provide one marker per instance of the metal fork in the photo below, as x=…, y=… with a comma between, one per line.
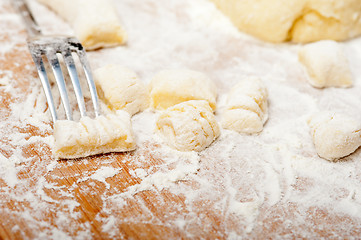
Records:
x=48, y=47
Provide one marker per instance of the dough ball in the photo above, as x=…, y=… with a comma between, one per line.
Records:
x=95, y=22
x=110, y=133
x=170, y=87
x=188, y=126
x=246, y=107
x=326, y=64
x=298, y=21
x=120, y=88
x=335, y=135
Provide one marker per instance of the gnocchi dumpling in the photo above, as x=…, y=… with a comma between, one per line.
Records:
x=121, y=89
x=95, y=22
x=188, y=126
x=110, y=133
x=335, y=135
x=326, y=64
x=170, y=87
x=246, y=108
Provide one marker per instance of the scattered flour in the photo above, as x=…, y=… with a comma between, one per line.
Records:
x=270, y=185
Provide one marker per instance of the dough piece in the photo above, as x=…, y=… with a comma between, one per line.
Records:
x=335, y=135
x=110, y=133
x=95, y=22
x=246, y=107
x=326, y=64
x=188, y=126
x=295, y=20
x=120, y=88
x=170, y=87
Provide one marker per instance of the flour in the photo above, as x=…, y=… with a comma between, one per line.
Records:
x=267, y=185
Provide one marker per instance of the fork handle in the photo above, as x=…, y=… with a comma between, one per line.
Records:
x=31, y=26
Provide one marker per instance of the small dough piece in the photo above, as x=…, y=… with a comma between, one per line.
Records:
x=246, y=107
x=326, y=64
x=188, y=126
x=120, y=88
x=295, y=20
x=170, y=87
x=110, y=133
x=95, y=22
x=335, y=135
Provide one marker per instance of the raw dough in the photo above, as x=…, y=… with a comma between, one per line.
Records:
x=170, y=87
x=246, y=107
x=95, y=22
x=295, y=20
x=110, y=133
x=120, y=88
x=188, y=126
x=335, y=135
x=326, y=64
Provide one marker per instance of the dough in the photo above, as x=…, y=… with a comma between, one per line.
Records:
x=335, y=135
x=120, y=88
x=246, y=107
x=295, y=20
x=326, y=64
x=95, y=22
x=170, y=87
x=188, y=126
x=110, y=133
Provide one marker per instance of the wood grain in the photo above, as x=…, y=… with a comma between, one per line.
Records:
x=63, y=202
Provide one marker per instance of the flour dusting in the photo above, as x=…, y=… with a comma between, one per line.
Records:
x=267, y=185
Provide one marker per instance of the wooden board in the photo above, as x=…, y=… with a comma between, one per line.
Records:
x=41, y=198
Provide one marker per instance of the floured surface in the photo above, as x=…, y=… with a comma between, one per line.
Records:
x=267, y=185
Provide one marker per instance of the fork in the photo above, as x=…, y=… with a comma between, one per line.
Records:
x=47, y=47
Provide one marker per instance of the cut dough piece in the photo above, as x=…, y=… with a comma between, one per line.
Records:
x=246, y=107
x=326, y=64
x=298, y=21
x=335, y=135
x=188, y=126
x=170, y=87
x=120, y=88
x=95, y=22
x=110, y=133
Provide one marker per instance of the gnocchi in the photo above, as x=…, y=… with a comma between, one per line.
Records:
x=246, y=107
x=188, y=126
x=335, y=135
x=326, y=64
x=170, y=87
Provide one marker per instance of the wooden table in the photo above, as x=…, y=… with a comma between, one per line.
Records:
x=106, y=196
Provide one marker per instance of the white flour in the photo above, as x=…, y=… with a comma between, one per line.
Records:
x=271, y=184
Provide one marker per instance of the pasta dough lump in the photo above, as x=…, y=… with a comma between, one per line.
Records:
x=246, y=107
x=188, y=126
x=335, y=135
x=170, y=87
x=110, y=133
x=121, y=89
x=326, y=64
x=295, y=20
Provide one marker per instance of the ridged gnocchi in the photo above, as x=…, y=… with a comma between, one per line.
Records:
x=246, y=108
x=121, y=89
x=188, y=126
x=170, y=87
x=110, y=133
x=335, y=135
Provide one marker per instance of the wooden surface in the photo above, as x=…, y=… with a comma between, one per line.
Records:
x=59, y=200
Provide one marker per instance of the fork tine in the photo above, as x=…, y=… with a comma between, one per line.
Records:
x=93, y=92
x=55, y=65
x=46, y=85
x=69, y=62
